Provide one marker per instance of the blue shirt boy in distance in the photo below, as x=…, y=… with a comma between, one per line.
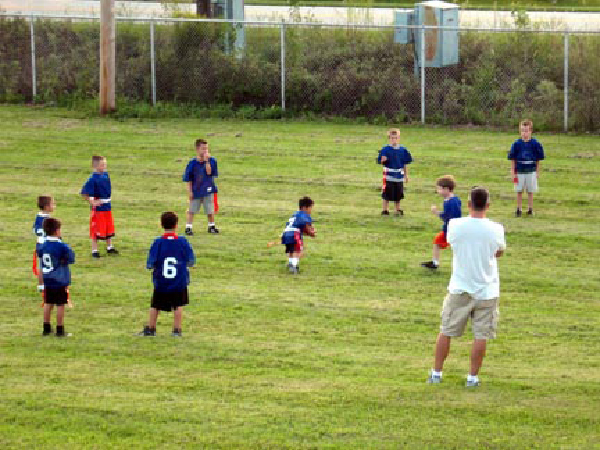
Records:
x=296, y=226
x=394, y=159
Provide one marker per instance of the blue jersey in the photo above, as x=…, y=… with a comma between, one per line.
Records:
x=526, y=155
x=38, y=230
x=451, y=210
x=202, y=184
x=295, y=224
x=98, y=186
x=397, y=158
x=56, y=257
x=169, y=257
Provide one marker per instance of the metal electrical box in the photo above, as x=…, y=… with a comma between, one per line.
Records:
x=232, y=10
x=441, y=46
x=402, y=19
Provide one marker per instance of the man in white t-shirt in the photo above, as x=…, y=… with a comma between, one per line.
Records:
x=474, y=286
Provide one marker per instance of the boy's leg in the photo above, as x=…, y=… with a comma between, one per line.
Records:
x=385, y=205
x=530, y=200
x=47, y=315
x=153, y=318
x=60, y=315
x=177, y=318
x=398, y=210
x=519, y=201
x=435, y=254
x=94, y=245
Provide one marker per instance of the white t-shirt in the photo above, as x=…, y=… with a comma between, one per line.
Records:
x=474, y=266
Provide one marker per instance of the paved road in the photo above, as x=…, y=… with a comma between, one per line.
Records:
x=332, y=15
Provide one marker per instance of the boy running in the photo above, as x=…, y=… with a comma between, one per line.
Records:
x=394, y=158
x=297, y=225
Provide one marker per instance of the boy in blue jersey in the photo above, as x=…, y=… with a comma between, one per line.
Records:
x=199, y=176
x=394, y=159
x=55, y=257
x=46, y=205
x=452, y=209
x=525, y=155
x=96, y=191
x=169, y=258
x=296, y=226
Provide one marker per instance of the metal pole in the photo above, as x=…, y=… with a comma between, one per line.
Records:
x=152, y=63
x=566, y=82
x=283, y=66
x=33, y=69
x=423, y=62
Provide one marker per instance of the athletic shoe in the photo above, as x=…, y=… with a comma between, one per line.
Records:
x=472, y=384
x=95, y=255
x=189, y=232
x=113, y=251
x=530, y=212
x=146, y=332
x=432, y=379
x=46, y=332
x=294, y=270
x=385, y=213
x=429, y=265
x=63, y=334
x=518, y=213
x=176, y=333
x=213, y=230
x=399, y=212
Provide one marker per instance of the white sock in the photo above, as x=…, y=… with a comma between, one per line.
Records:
x=211, y=224
x=473, y=378
x=109, y=247
x=436, y=374
x=188, y=226
x=437, y=263
x=290, y=260
x=295, y=261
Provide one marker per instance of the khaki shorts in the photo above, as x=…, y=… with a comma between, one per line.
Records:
x=526, y=182
x=459, y=307
x=208, y=203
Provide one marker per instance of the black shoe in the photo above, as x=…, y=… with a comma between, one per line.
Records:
x=112, y=251
x=63, y=334
x=399, y=212
x=530, y=212
x=176, y=333
x=95, y=255
x=518, y=213
x=429, y=265
x=47, y=332
x=385, y=213
x=213, y=229
x=189, y=232
x=147, y=331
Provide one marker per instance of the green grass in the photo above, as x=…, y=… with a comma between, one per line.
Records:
x=333, y=358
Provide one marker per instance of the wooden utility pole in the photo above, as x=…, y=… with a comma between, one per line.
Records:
x=203, y=8
x=107, y=56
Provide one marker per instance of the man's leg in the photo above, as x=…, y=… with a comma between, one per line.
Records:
x=442, y=350
x=477, y=354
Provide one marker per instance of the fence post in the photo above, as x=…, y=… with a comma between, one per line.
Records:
x=33, y=69
x=566, y=83
x=283, y=66
x=152, y=63
x=423, y=60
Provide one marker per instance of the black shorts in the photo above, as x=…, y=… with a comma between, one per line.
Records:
x=56, y=296
x=393, y=192
x=169, y=301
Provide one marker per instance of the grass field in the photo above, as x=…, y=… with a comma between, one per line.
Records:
x=335, y=357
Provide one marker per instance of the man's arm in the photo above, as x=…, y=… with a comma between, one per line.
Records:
x=499, y=253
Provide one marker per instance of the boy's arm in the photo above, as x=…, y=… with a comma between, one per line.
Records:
x=513, y=167
x=191, y=258
x=190, y=190
x=151, y=261
x=91, y=200
x=70, y=255
x=381, y=158
x=406, y=174
x=537, y=168
x=207, y=163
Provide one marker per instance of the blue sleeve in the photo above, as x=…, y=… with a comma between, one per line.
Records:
x=191, y=258
x=213, y=167
x=407, y=157
x=446, y=214
x=38, y=250
x=382, y=152
x=69, y=255
x=152, y=256
x=88, y=187
x=540, y=151
x=512, y=154
x=187, y=172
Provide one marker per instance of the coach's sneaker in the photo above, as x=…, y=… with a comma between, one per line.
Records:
x=518, y=213
x=429, y=265
x=112, y=251
x=434, y=379
x=213, y=229
x=472, y=383
x=189, y=232
x=385, y=213
x=147, y=331
x=530, y=212
x=176, y=332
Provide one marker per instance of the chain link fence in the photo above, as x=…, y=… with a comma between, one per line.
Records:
x=354, y=71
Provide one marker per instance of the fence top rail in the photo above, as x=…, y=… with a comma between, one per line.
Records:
x=301, y=24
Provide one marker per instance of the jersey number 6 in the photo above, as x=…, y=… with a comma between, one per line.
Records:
x=169, y=269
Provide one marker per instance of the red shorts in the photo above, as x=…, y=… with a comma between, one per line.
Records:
x=440, y=240
x=102, y=225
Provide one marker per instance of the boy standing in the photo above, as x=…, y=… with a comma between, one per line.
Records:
x=201, y=188
x=169, y=258
x=394, y=158
x=452, y=209
x=46, y=205
x=55, y=257
x=525, y=155
x=96, y=191
x=299, y=223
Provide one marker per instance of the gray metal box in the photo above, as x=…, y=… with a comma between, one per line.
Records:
x=403, y=18
x=441, y=47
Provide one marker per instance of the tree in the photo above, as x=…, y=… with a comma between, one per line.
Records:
x=203, y=8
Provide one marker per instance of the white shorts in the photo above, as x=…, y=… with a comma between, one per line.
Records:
x=527, y=182
x=208, y=203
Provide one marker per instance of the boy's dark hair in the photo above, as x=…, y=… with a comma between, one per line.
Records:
x=43, y=201
x=479, y=198
x=96, y=159
x=447, y=181
x=169, y=220
x=51, y=226
x=305, y=202
x=200, y=142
